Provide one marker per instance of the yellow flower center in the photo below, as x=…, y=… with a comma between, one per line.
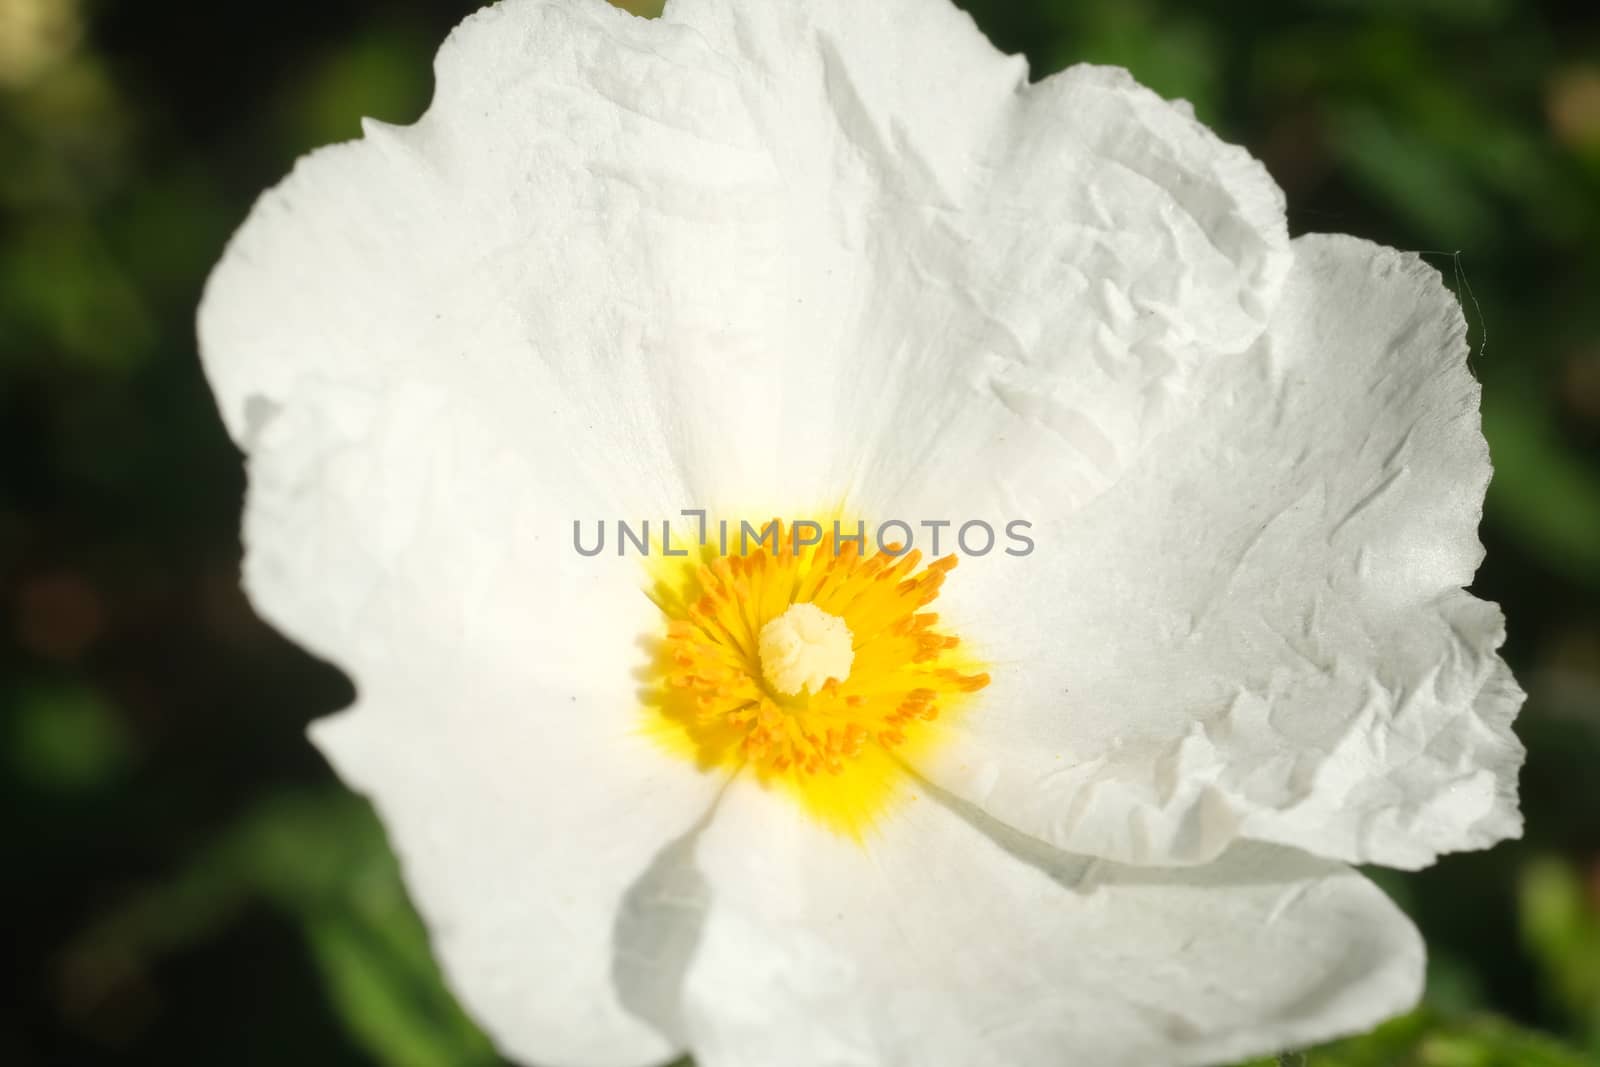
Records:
x=814, y=665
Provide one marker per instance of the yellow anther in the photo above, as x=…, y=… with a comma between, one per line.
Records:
x=814, y=667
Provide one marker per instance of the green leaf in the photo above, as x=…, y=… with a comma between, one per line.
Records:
x=397, y=1011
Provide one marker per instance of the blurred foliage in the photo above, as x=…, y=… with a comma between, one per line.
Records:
x=321, y=859
x=1561, y=928
x=1428, y=1039
x=182, y=868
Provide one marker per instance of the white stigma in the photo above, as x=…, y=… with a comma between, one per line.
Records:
x=804, y=647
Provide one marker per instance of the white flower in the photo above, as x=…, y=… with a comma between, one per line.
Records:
x=814, y=258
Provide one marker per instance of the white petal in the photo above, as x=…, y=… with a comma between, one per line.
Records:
x=938, y=944
x=498, y=727
x=559, y=248
x=964, y=250
x=704, y=254
x=522, y=841
x=1117, y=245
x=1260, y=631
x=425, y=417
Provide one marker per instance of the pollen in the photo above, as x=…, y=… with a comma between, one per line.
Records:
x=812, y=664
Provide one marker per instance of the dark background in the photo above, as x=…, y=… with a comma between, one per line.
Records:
x=183, y=880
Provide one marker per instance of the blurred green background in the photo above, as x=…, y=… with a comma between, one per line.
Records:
x=185, y=883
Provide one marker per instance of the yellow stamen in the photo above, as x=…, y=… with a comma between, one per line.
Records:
x=813, y=665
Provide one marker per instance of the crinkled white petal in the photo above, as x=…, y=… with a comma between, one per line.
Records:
x=960, y=247
x=942, y=943
x=1260, y=631
x=706, y=255
x=557, y=250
